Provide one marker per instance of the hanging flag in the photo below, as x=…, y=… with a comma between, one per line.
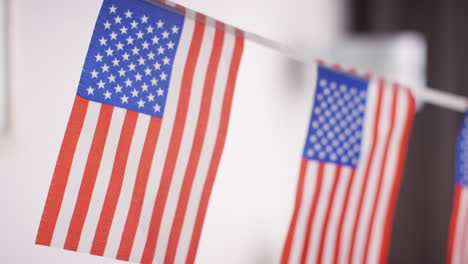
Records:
x=350, y=171
x=458, y=235
x=145, y=136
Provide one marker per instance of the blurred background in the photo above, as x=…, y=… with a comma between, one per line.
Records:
x=418, y=42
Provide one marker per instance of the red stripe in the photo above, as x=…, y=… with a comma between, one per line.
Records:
x=363, y=190
x=198, y=141
x=370, y=227
x=62, y=171
x=174, y=145
x=313, y=209
x=454, y=223
x=115, y=184
x=89, y=178
x=144, y=167
x=218, y=148
x=396, y=184
x=297, y=207
x=327, y=215
x=342, y=218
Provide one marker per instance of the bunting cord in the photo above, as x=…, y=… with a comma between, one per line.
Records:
x=425, y=94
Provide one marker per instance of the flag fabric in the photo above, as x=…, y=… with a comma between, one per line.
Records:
x=146, y=133
x=458, y=234
x=350, y=171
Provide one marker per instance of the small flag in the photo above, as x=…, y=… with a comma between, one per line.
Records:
x=458, y=234
x=350, y=171
x=145, y=136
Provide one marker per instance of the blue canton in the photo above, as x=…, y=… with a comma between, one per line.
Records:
x=336, y=126
x=130, y=58
x=462, y=154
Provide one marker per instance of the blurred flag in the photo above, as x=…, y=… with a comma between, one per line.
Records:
x=458, y=234
x=145, y=136
x=350, y=171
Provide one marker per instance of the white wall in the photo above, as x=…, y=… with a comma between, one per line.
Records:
x=253, y=196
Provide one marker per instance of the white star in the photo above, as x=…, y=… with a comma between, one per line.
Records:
x=144, y=87
x=112, y=9
x=90, y=91
x=165, y=35
x=113, y=35
x=134, y=93
x=145, y=45
x=154, y=82
x=101, y=84
x=105, y=68
x=124, y=99
x=111, y=78
x=132, y=66
x=166, y=60
x=148, y=71
x=150, y=29
x=118, y=20
x=160, y=50
x=157, y=66
x=123, y=30
x=115, y=62
x=160, y=92
x=134, y=24
x=103, y=41
x=136, y=51
x=140, y=35
x=128, y=82
x=150, y=97
x=157, y=108
x=155, y=40
x=163, y=76
x=107, y=95
x=175, y=29
x=94, y=74
x=122, y=72
x=119, y=46
x=170, y=45
x=144, y=19
x=141, y=103
x=109, y=52
x=141, y=61
x=125, y=56
x=160, y=24
x=151, y=55
x=118, y=88
x=128, y=14
x=107, y=25
x=130, y=40
x=138, y=77
x=98, y=57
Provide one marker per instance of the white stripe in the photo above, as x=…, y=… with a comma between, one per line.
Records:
x=186, y=143
x=371, y=188
x=76, y=174
x=368, y=131
x=334, y=221
x=163, y=141
x=458, y=249
x=320, y=212
x=128, y=183
x=310, y=185
x=208, y=147
x=390, y=174
x=102, y=180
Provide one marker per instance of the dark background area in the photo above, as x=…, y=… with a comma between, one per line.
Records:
x=422, y=216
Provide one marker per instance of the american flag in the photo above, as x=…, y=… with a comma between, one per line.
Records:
x=145, y=136
x=458, y=233
x=350, y=170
